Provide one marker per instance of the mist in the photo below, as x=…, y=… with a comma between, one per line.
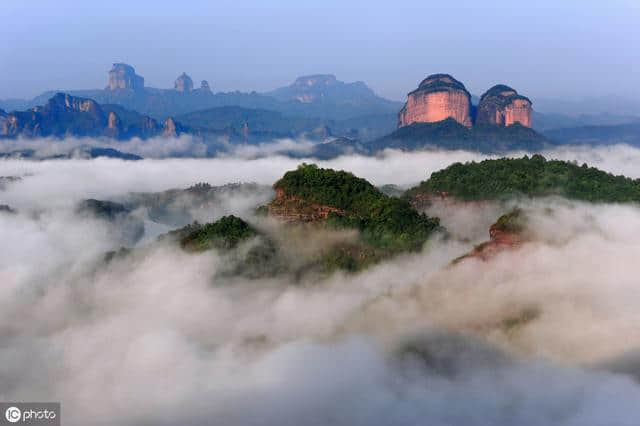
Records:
x=155, y=337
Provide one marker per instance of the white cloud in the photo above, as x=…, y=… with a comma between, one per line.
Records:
x=154, y=339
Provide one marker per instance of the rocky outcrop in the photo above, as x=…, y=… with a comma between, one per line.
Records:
x=114, y=125
x=438, y=97
x=65, y=115
x=311, y=88
x=508, y=233
x=503, y=106
x=62, y=115
x=311, y=92
x=184, y=83
x=123, y=76
x=169, y=128
x=64, y=103
x=293, y=209
x=9, y=126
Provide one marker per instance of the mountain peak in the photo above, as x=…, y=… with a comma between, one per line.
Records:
x=325, y=88
x=123, y=76
x=316, y=80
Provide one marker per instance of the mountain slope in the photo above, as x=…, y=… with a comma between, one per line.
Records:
x=449, y=134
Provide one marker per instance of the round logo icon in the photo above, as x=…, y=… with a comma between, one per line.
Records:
x=13, y=414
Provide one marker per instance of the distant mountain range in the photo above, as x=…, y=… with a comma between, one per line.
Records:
x=337, y=117
x=597, y=135
x=320, y=96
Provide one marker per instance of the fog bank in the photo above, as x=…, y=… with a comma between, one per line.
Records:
x=155, y=338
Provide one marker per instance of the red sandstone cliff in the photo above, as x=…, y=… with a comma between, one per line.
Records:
x=438, y=97
x=506, y=234
x=294, y=209
x=503, y=106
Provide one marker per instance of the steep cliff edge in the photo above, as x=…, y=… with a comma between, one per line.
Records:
x=503, y=106
x=294, y=209
x=123, y=77
x=438, y=97
x=508, y=233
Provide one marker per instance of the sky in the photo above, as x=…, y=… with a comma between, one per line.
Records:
x=574, y=49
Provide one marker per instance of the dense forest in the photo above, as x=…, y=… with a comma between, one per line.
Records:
x=384, y=221
x=225, y=233
x=528, y=176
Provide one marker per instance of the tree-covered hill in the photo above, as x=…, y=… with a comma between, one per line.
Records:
x=225, y=233
x=528, y=176
x=384, y=221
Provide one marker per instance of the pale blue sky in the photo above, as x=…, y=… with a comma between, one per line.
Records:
x=541, y=47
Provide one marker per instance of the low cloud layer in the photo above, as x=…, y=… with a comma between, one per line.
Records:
x=153, y=338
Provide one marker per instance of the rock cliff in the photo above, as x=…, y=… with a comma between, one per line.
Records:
x=114, y=125
x=320, y=93
x=170, y=128
x=123, y=76
x=508, y=233
x=503, y=106
x=438, y=97
x=294, y=209
x=62, y=115
x=184, y=83
x=65, y=115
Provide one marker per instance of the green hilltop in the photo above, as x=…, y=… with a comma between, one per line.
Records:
x=531, y=177
x=384, y=222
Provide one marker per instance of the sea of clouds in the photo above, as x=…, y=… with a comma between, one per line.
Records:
x=153, y=339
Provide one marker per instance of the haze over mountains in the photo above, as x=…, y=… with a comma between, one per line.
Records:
x=337, y=117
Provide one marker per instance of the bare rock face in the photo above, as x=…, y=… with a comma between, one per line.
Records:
x=184, y=83
x=310, y=88
x=508, y=233
x=169, y=129
x=439, y=96
x=114, y=125
x=62, y=114
x=293, y=209
x=65, y=115
x=123, y=76
x=503, y=106
x=63, y=102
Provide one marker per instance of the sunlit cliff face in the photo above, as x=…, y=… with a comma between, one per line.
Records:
x=503, y=106
x=543, y=334
x=438, y=97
